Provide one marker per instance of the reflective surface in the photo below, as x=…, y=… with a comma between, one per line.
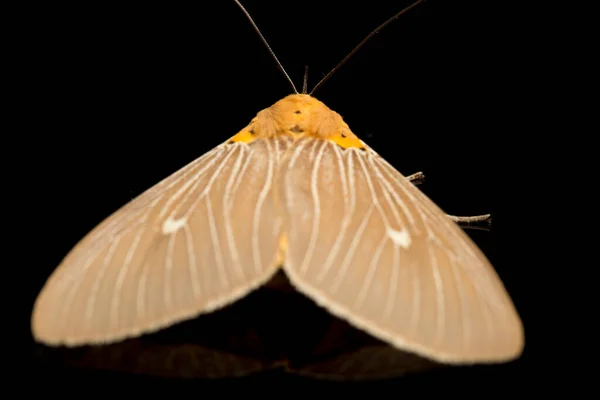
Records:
x=124, y=101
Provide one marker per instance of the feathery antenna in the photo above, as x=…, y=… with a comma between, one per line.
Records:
x=326, y=77
x=267, y=44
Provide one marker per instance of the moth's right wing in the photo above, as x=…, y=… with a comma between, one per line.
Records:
x=370, y=247
x=200, y=239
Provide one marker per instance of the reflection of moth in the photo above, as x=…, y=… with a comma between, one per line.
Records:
x=244, y=339
x=295, y=189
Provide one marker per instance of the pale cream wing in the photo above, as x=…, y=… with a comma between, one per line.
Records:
x=198, y=240
x=366, y=244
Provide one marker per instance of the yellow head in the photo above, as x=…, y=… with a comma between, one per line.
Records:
x=299, y=115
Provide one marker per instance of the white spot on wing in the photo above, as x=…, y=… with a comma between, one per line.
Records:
x=173, y=225
x=400, y=238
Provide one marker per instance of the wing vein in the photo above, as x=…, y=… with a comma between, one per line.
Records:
x=167, y=295
x=192, y=263
x=116, y=292
x=371, y=269
x=73, y=290
x=257, y=211
x=214, y=240
x=317, y=207
x=416, y=300
x=228, y=199
x=209, y=184
x=382, y=178
x=353, y=246
x=439, y=295
x=374, y=197
x=386, y=194
x=348, y=212
x=190, y=184
x=464, y=312
x=143, y=282
x=393, y=290
x=99, y=278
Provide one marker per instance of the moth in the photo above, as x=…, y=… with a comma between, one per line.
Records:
x=295, y=189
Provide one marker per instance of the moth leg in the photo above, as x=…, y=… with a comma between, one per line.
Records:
x=417, y=178
x=479, y=222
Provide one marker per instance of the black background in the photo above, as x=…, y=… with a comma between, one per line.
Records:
x=125, y=95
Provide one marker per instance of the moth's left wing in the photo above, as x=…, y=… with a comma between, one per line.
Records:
x=196, y=241
x=366, y=244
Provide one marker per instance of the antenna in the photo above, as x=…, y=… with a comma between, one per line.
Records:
x=305, y=82
x=267, y=44
x=369, y=36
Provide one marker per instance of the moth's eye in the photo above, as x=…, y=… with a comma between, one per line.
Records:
x=343, y=135
x=297, y=112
